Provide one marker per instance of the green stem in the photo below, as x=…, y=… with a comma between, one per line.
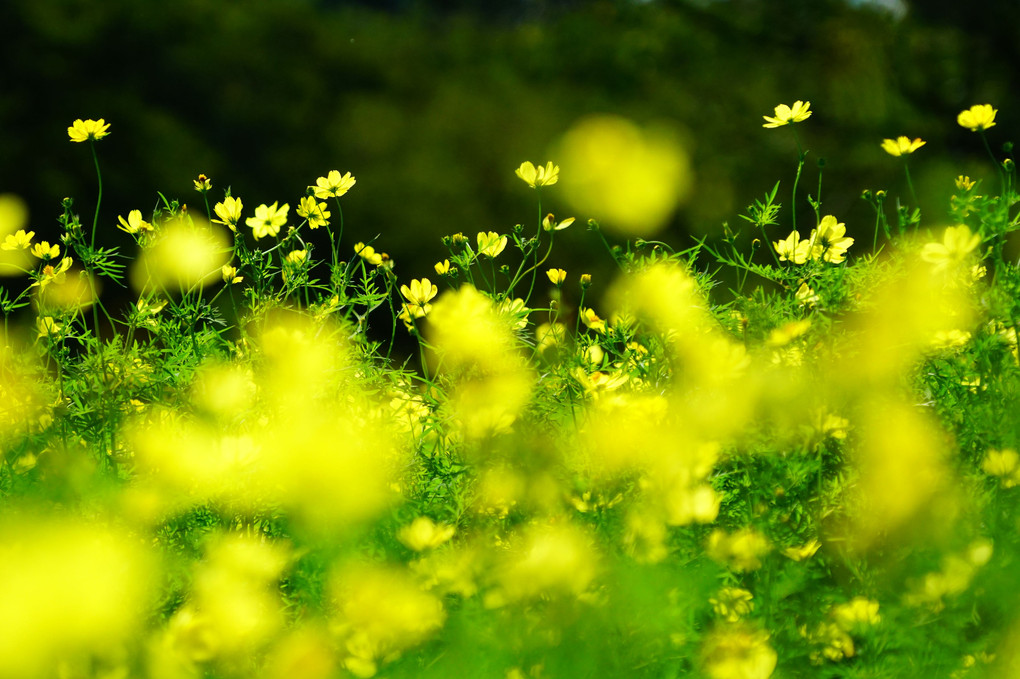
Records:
x=99, y=196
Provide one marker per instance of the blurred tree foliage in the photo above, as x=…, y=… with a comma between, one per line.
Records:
x=433, y=104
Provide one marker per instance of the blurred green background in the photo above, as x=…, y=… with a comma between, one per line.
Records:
x=432, y=105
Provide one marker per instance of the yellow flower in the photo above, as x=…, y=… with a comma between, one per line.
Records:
x=829, y=241
x=229, y=212
x=315, y=212
x=550, y=223
x=333, y=185
x=423, y=533
x=202, y=184
x=418, y=296
x=977, y=117
x=856, y=613
x=230, y=274
x=47, y=326
x=965, y=183
x=54, y=274
x=297, y=258
x=786, y=115
x=902, y=146
x=591, y=320
x=84, y=130
x=134, y=223
x=46, y=251
x=557, y=276
x=442, y=268
x=805, y=551
x=732, y=603
x=538, y=176
x=1000, y=462
x=793, y=249
x=737, y=651
x=490, y=244
x=268, y=220
x=368, y=253
x=18, y=241
x=957, y=243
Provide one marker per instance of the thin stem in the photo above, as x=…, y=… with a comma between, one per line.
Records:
x=910, y=184
x=99, y=196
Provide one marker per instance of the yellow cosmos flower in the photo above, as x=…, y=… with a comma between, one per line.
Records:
x=442, y=268
x=490, y=244
x=229, y=274
x=793, y=249
x=46, y=251
x=957, y=243
x=315, y=212
x=268, y=220
x=418, y=296
x=786, y=115
x=47, y=327
x=592, y=320
x=202, y=184
x=297, y=258
x=229, y=212
x=333, y=185
x=18, y=241
x=805, y=551
x=977, y=117
x=536, y=177
x=84, y=130
x=54, y=274
x=902, y=146
x=829, y=241
x=556, y=276
x=134, y=223
x=368, y=253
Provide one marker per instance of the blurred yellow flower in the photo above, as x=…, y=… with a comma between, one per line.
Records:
x=965, y=183
x=423, y=533
x=490, y=244
x=902, y=146
x=977, y=117
x=856, y=613
x=737, y=651
x=18, y=241
x=957, y=243
x=556, y=276
x=535, y=177
x=229, y=212
x=315, y=212
x=333, y=185
x=46, y=251
x=786, y=115
x=268, y=220
x=47, y=327
x=84, y=130
x=134, y=223
x=732, y=603
x=805, y=551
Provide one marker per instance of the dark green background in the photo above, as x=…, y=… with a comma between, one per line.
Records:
x=431, y=105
